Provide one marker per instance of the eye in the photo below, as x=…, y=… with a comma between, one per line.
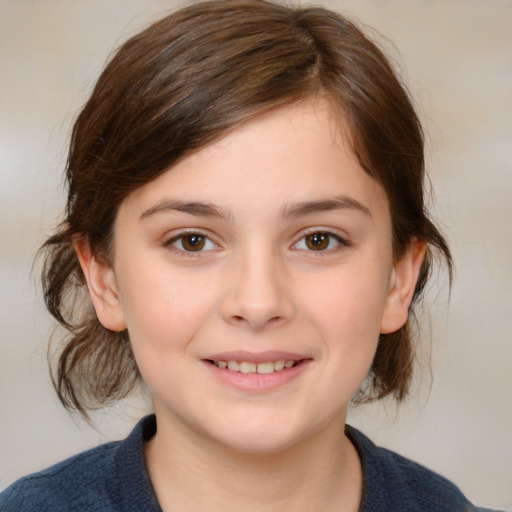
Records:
x=191, y=242
x=320, y=241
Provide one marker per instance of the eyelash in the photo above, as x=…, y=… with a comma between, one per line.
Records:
x=341, y=243
x=172, y=242
x=207, y=244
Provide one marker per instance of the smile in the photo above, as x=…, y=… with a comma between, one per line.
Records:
x=263, y=368
x=257, y=372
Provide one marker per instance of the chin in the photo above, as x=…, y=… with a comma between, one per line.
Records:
x=260, y=437
x=259, y=444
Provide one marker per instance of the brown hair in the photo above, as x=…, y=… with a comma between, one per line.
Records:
x=183, y=83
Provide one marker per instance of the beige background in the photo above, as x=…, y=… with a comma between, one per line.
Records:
x=457, y=57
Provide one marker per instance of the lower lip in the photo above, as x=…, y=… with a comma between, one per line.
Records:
x=256, y=382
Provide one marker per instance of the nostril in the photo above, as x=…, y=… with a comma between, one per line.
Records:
x=241, y=318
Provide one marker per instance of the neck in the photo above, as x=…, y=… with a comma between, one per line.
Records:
x=193, y=473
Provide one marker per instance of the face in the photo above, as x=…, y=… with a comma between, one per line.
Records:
x=254, y=278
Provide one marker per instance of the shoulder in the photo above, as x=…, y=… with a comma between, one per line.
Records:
x=105, y=478
x=393, y=482
x=80, y=479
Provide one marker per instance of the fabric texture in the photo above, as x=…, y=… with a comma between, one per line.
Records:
x=113, y=477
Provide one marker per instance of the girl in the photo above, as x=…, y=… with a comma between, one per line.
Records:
x=246, y=212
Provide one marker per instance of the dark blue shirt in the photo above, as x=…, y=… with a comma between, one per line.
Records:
x=113, y=477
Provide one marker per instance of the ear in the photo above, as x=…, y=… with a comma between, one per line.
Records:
x=401, y=288
x=102, y=286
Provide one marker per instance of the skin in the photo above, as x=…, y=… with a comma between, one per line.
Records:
x=256, y=287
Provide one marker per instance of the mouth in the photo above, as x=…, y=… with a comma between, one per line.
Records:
x=262, y=368
x=257, y=372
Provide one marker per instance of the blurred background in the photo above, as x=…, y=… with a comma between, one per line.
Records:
x=455, y=56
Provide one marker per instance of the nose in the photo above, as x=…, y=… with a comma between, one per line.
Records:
x=257, y=292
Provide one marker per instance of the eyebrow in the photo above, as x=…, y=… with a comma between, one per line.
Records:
x=294, y=210
x=325, y=205
x=191, y=207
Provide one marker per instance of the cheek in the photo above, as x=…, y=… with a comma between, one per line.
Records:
x=163, y=313
x=349, y=302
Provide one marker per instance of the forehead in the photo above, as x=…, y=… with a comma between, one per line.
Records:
x=279, y=159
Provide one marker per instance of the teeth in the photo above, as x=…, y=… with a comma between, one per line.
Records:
x=261, y=368
x=247, y=367
x=233, y=365
x=264, y=368
x=278, y=365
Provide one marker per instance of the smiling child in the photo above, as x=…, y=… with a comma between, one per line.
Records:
x=246, y=212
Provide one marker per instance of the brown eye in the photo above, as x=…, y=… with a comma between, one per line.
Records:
x=317, y=241
x=193, y=242
x=321, y=242
x=190, y=242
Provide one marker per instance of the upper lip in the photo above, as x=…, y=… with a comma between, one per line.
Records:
x=257, y=357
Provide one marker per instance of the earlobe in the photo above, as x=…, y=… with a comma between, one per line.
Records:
x=101, y=285
x=402, y=285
